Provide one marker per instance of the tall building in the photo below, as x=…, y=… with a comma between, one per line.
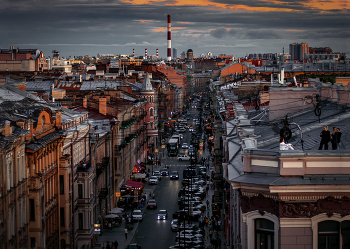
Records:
x=175, y=53
x=298, y=51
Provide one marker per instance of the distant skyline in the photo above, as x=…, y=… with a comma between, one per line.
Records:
x=239, y=27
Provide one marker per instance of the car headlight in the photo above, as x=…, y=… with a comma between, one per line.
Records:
x=158, y=217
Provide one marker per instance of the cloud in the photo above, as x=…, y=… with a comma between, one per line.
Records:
x=146, y=20
x=162, y=29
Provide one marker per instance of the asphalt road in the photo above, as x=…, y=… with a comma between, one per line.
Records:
x=152, y=233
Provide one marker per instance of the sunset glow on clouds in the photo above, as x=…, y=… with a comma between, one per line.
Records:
x=162, y=29
x=227, y=5
x=220, y=26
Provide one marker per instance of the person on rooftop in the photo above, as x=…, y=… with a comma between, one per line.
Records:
x=284, y=146
x=325, y=138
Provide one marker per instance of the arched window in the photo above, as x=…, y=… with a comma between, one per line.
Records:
x=151, y=112
x=331, y=233
x=43, y=121
x=264, y=234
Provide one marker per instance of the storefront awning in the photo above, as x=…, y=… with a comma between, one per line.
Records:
x=134, y=184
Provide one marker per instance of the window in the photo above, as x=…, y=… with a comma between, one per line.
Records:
x=264, y=234
x=61, y=184
x=80, y=220
x=31, y=209
x=32, y=242
x=62, y=217
x=43, y=121
x=151, y=112
x=333, y=233
x=80, y=191
x=63, y=244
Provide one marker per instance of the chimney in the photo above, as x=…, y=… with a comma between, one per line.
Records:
x=133, y=52
x=146, y=52
x=169, y=40
x=124, y=81
x=85, y=102
x=157, y=53
x=102, y=106
x=2, y=80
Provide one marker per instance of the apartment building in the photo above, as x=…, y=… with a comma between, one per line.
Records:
x=288, y=198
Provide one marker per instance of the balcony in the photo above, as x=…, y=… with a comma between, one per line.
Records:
x=84, y=201
x=103, y=193
x=51, y=204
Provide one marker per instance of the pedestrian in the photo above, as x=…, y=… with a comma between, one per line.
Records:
x=219, y=243
x=108, y=246
x=219, y=225
x=325, y=138
x=334, y=138
x=338, y=138
x=207, y=203
x=126, y=233
x=116, y=244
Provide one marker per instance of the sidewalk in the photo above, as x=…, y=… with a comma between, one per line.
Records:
x=116, y=234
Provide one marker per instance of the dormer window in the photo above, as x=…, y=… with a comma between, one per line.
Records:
x=43, y=121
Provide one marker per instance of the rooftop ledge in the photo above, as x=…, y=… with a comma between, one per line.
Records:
x=296, y=162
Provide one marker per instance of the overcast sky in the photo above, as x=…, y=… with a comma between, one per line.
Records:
x=234, y=27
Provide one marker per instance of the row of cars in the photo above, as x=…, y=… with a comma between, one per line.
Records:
x=187, y=235
x=157, y=176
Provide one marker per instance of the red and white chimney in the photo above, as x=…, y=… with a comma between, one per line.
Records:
x=133, y=52
x=157, y=53
x=145, y=52
x=169, y=39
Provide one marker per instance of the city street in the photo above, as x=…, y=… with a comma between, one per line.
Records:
x=153, y=233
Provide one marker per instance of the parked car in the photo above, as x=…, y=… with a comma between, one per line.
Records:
x=152, y=204
x=183, y=157
x=174, y=175
x=137, y=215
x=174, y=224
x=133, y=246
x=157, y=174
x=162, y=214
x=164, y=172
x=153, y=180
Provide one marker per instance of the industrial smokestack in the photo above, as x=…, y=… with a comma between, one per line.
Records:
x=157, y=53
x=145, y=52
x=169, y=39
x=133, y=52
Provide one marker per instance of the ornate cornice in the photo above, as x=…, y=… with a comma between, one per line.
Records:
x=329, y=205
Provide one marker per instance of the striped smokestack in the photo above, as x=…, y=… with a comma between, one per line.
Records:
x=133, y=52
x=145, y=52
x=169, y=39
x=157, y=52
